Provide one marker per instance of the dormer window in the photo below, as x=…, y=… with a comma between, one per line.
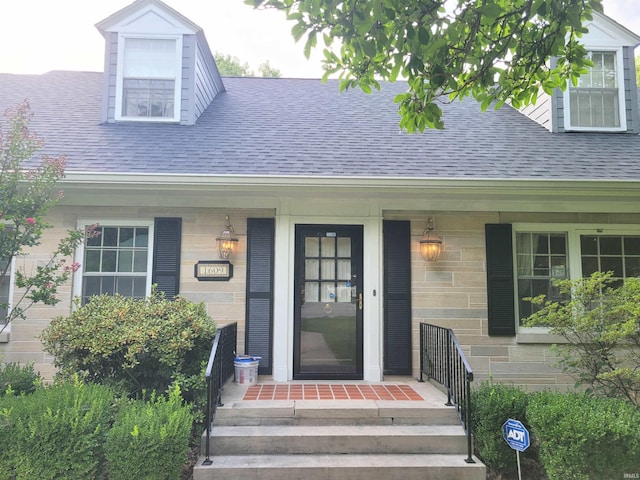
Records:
x=594, y=103
x=148, y=84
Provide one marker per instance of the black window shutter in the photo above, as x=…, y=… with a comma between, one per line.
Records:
x=397, y=297
x=166, y=256
x=259, y=308
x=500, y=286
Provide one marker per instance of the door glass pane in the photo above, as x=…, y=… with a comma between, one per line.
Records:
x=311, y=269
x=311, y=247
x=311, y=292
x=327, y=292
x=344, y=269
x=328, y=247
x=328, y=271
x=344, y=246
x=344, y=292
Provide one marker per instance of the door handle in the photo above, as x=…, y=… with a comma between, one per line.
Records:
x=360, y=301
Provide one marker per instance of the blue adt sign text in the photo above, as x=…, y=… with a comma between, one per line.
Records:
x=516, y=435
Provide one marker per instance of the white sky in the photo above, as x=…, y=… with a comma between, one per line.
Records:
x=41, y=35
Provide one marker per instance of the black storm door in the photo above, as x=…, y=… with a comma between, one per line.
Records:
x=328, y=302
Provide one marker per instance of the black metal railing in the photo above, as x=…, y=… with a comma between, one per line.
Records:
x=219, y=369
x=442, y=360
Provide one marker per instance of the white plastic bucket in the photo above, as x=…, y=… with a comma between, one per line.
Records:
x=246, y=370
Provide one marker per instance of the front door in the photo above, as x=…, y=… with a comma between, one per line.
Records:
x=328, y=302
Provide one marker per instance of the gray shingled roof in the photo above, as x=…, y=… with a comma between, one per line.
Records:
x=263, y=126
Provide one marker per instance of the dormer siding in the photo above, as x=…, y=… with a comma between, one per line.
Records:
x=631, y=90
x=207, y=81
x=110, y=72
x=541, y=111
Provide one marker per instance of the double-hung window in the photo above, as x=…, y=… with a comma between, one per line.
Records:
x=148, y=85
x=545, y=253
x=116, y=260
x=597, y=101
x=541, y=257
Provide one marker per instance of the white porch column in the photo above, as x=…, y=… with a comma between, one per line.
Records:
x=282, y=300
x=372, y=286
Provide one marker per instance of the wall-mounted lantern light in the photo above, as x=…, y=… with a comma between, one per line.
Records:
x=430, y=243
x=227, y=241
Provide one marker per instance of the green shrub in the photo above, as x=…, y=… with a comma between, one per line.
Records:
x=135, y=344
x=149, y=439
x=492, y=405
x=17, y=379
x=56, y=432
x=585, y=437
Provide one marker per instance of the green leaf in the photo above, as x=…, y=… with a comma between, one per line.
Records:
x=298, y=31
x=312, y=40
x=423, y=35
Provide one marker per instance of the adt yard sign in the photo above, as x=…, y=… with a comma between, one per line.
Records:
x=516, y=435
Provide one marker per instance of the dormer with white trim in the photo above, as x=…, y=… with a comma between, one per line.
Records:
x=605, y=99
x=158, y=66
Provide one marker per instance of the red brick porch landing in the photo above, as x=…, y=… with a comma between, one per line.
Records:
x=322, y=391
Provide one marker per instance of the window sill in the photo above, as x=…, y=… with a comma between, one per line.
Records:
x=539, y=337
x=5, y=335
x=147, y=119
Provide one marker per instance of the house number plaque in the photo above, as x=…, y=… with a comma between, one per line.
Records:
x=213, y=270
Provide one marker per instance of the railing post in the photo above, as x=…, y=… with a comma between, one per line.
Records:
x=448, y=362
x=207, y=460
x=467, y=416
x=423, y=348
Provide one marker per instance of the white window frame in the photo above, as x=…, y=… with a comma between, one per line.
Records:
x=6, y=331
x=621, y=97
x=120, y=79
x=574, y=254
x=78, y=278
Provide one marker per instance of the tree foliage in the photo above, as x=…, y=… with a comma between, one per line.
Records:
x=492, y=50
x=601, y=327
x=28, y=193
x=266, y=70
x=638, y=71
x=231, y=66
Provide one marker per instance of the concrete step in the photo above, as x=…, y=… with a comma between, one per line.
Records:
x=363, y=439
x=336, y=412
x=340, y=467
